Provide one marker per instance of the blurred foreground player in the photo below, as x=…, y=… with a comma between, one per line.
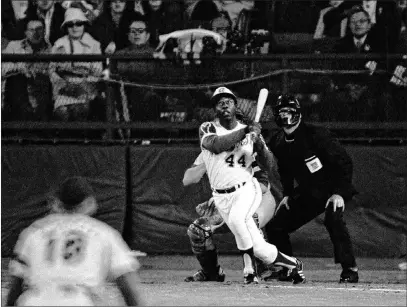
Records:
x=65, y=257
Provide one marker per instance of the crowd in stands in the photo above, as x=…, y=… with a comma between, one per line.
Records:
x=73, y=91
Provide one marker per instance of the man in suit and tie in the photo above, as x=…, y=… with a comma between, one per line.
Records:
x=360, y=40
x=359, y=97
x=385, y=20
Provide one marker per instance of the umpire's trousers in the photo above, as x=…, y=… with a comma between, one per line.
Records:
x=304, y=208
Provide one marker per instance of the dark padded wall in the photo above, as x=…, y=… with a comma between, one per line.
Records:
x=30, y=172
x=160, y=208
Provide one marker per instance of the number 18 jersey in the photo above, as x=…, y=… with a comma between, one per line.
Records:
x=231, y=167
x=71, y=249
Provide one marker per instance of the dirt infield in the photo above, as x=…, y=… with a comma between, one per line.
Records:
x=381, y=284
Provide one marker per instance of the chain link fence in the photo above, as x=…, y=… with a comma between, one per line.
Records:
x=135, y=91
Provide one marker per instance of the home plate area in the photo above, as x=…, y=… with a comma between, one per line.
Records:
x=381, y=283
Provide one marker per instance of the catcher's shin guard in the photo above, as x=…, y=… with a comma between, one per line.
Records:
x=200, y=235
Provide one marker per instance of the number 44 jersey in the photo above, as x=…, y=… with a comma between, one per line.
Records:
x=230, y=167
x=70, y=249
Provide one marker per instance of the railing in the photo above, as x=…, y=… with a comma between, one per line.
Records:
x=301, y=74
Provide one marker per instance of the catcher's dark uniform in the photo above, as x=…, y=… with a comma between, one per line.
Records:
x=313, y=166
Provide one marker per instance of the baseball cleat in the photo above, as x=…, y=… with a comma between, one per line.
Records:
x=202, y=276
x=297, y=274
x=261, y=268
x=284, y=275
x=349, y=276
x=250, y=279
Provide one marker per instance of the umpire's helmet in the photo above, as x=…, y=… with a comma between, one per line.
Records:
x=222, y=92
x=287, y=104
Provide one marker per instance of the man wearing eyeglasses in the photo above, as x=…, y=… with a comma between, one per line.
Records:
x=52, y=13
x=145, y=105
x=360, y=97
x=27, y=95
x=359, y=41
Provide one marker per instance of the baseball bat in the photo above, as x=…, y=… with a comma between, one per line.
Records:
x=261, y=101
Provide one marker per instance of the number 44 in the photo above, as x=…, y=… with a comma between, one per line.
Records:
x=231, y=161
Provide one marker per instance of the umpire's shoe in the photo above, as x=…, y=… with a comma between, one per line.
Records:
x=296, y=274
x=203, y=276
x=349, y=275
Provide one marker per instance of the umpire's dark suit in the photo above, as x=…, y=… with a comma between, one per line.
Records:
x=309, y=186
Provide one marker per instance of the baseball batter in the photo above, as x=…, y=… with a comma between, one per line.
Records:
x=200, y=232
x=64, y=258
x=227, y=152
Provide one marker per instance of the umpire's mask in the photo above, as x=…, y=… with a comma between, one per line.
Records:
x=287, y=111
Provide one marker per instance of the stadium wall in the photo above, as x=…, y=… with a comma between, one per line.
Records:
x=140, y=192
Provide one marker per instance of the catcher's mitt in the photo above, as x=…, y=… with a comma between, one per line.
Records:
x=208, y=209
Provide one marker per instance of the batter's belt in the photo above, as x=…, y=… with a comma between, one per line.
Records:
x=230, y=190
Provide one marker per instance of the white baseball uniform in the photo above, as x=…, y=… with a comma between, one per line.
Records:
x=64, y=258
x=267, y=205
x=233, y=169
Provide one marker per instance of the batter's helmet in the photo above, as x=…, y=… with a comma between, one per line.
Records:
x=291, y=105
x=222, y=92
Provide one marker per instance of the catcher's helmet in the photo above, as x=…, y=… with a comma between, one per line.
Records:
x=287, y=104
x=222, y=92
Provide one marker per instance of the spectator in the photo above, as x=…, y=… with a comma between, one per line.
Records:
x=223, y=26
x=52, y=13
x=138, y=7
x=91, y=8
x=190, y=6
x=362, y=97
x=335, y=16
x=402, y=44
x=234, y=8
x=13, y=14
x=398, y=81
x=74, y=83
x=28, y=93
x=202, y=12
x=110, y=27
x=4, y=40
x=145, y=104
x=335, y=30
x=163, y=17
x=256, y=28
x=386, y=21
x=384, y=17
x=296, y=16
x=360, y=39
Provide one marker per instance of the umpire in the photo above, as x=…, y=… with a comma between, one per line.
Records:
x=316, y=175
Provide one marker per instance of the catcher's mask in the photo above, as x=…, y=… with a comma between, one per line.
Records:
x=222, y=92
x=287, y=111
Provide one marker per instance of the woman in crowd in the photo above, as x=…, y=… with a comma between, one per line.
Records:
x=74, y=83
